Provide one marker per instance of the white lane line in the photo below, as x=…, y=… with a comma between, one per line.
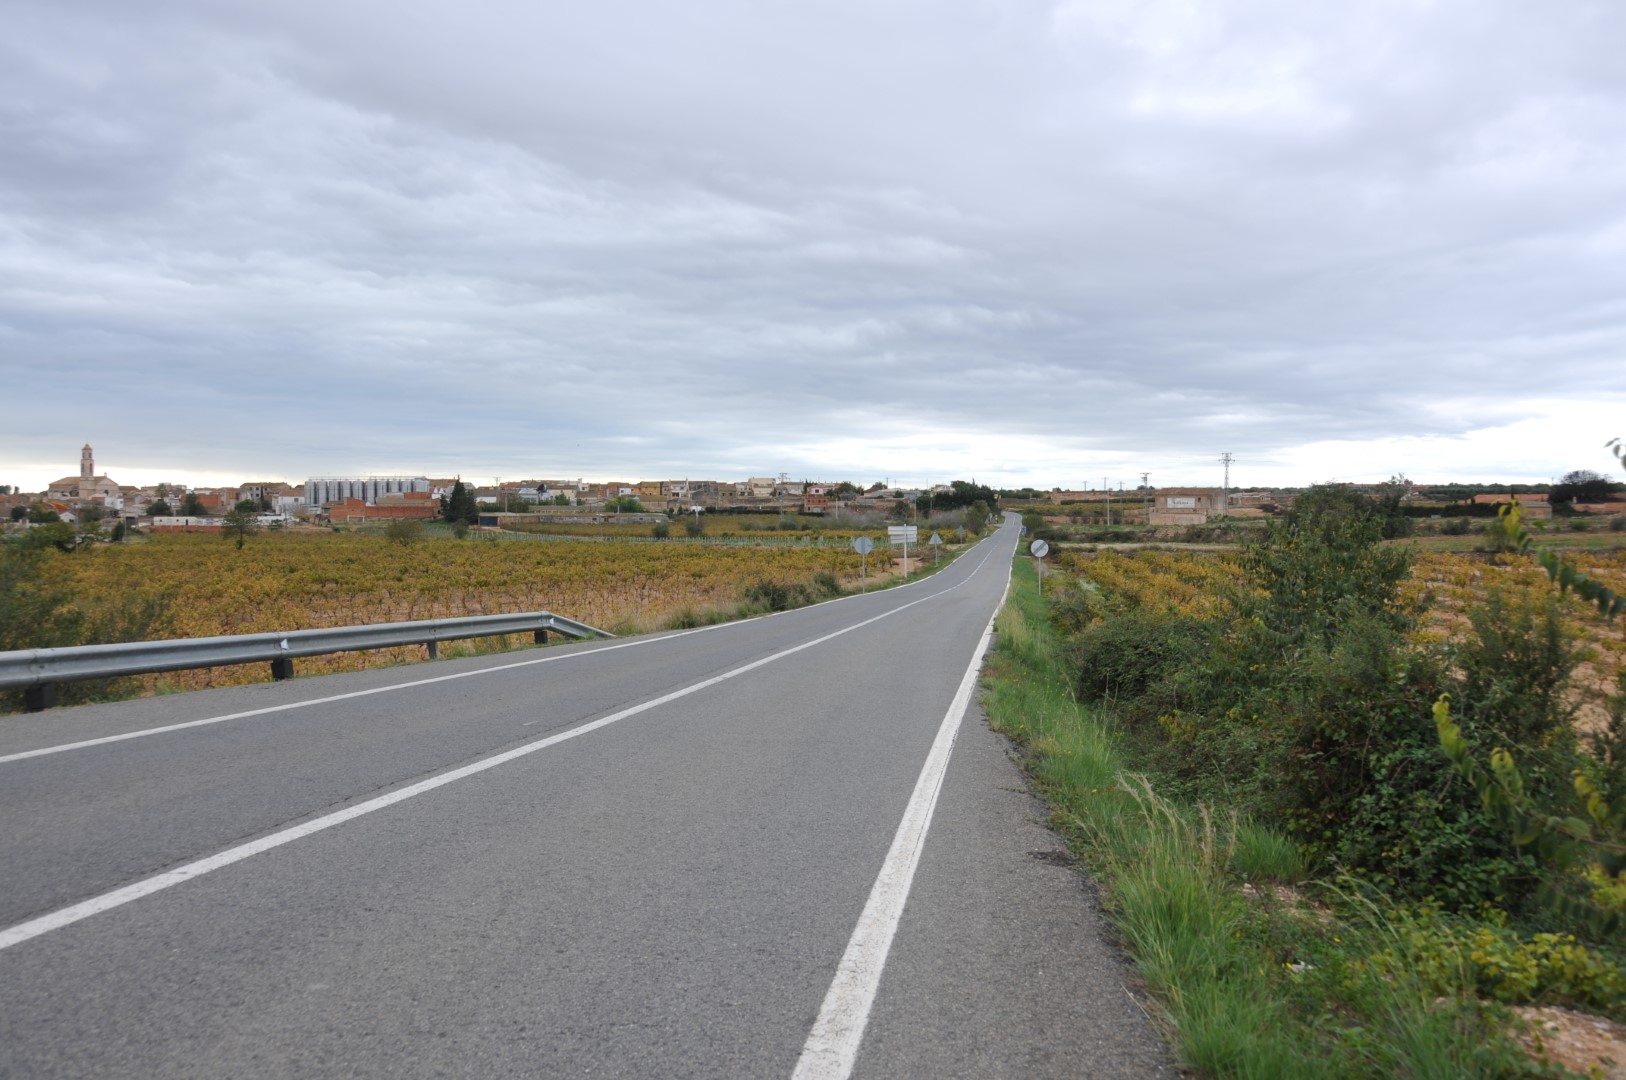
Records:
x=73, y=913
x=832, y=1046
x=204, y=722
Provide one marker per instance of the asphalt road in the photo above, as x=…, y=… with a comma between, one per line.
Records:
x=682, y=855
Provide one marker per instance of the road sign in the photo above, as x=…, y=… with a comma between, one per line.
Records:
x=863, y=545
x=903, y=534
x=1040, y=549
x=935, y=539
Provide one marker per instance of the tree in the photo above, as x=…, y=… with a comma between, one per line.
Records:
x=40, y=514
x=192, y=506
x=240, y=525
x=661, y=530
x=18, y=513
x=964, y=493
x=459, y=506
x=627, y=504
x=405, y=532
x=1583, y=486
x=58, y=534
x=159, y=508
x=1327, y=508
x=695, y=525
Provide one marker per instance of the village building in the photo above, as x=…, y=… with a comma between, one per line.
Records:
x=1186, y=506
x=88, y=486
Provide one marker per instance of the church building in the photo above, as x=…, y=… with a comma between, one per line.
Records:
x=87, y=486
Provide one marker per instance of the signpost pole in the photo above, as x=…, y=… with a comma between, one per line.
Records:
x=862, y=545
x=1039, y=549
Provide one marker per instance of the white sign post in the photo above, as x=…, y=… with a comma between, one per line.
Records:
x=905, y=535
x=937, y=547
x=863, y=545
x=1040, y=549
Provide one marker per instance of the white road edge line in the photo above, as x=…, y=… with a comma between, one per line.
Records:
x=832, y=1046
x=205, y=721
x=55, y=920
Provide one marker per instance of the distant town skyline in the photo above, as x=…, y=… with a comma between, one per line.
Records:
x=1037, y=244
x=1207, y=474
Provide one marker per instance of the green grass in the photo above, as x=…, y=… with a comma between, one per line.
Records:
x=1249, y=981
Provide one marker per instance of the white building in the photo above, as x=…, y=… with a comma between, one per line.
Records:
x=322, y=490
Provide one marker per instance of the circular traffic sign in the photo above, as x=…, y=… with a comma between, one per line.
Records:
x=863, y=545
x=1039, y=548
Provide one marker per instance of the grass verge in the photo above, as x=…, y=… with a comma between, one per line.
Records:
x=1250, y=978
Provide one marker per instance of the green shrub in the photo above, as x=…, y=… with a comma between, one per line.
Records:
x=1125, y=657
x=35, y=614
x=1499, y=964
x=781, y=596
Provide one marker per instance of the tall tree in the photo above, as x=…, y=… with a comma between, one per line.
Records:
x=1583, y=486
x=460, y=506
x=240, y=525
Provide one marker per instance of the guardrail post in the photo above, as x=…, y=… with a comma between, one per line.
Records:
x=542, y=636
x=434, y=649
x=39, y=698
x=282, y=668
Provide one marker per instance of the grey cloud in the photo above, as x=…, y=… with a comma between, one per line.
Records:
x=643, y=238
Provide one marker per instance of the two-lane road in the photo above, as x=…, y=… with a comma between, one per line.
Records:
x=767, y=848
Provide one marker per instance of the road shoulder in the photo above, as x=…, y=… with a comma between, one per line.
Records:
x=1004, y=964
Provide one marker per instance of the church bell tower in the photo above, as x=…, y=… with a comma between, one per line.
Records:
x=87, y=465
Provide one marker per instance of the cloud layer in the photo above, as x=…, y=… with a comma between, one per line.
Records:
x=1031, y=242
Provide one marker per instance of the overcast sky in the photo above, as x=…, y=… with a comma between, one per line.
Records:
x=1028, y=242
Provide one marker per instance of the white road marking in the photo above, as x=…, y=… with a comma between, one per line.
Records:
x=44, y=924
x=204, y=722
x=832, y=1046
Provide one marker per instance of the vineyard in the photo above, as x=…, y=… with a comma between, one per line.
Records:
x=294, y=582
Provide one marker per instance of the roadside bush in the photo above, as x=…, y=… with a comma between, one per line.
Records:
x=1456, y=526
x=776, y=595
x=37, y=613
x=1497, y=963
x=1124, y=658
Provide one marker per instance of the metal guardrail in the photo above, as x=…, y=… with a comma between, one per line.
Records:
x=39, y=670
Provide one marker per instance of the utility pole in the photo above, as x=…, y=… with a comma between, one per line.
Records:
x=1146, y=496
x=1107, y=491
x=1225, y=492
